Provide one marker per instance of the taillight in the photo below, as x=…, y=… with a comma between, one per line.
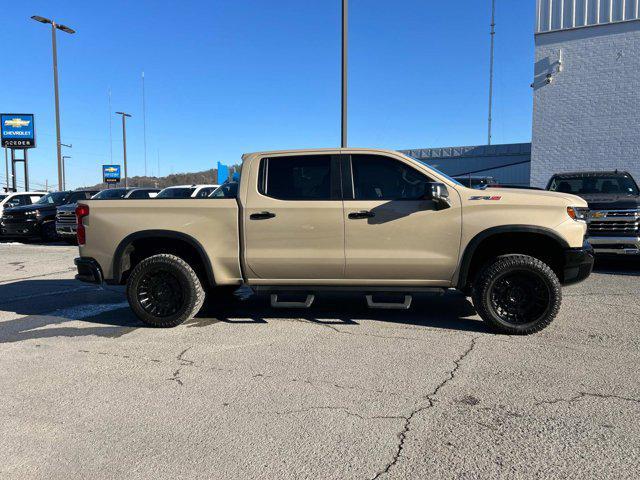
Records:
x=81, y=212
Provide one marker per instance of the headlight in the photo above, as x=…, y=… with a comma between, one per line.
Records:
x=578, y=213
x=33, y=212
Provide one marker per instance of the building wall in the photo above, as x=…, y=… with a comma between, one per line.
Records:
x=588, y=116
x=508, y=163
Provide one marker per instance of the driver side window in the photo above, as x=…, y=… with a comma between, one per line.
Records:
x=381, y=178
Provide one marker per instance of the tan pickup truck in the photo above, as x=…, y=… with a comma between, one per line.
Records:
x=375, y=222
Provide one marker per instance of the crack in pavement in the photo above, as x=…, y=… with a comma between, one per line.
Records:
x=582, y=395
x=343, y=409
x=431, y=402
x=183, y=363
x=253, y=375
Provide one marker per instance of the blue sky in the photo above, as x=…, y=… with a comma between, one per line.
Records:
x=225, y=77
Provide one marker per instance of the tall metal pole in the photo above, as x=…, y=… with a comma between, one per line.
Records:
x=25, y=159
x=6, y=166
x=13, y=170
x=57, y=101
x=144, y=125
x=124, y=147
x=345, y=43
x=493, y=34
x=124, y=144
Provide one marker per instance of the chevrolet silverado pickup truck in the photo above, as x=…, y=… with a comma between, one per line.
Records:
x=375, y=222
x=614, y=204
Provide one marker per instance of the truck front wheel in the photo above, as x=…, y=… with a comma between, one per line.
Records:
x=517, y=294
x=164, y=291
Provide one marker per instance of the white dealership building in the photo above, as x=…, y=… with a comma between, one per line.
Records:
x=586, y=90
x=586, y=98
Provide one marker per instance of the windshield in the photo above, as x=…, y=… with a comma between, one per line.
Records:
x=55, y=198
x=605, y=184
x=451, y=179
x=227, y=190
x=2, y=197
x=110, y=194
x=181, y=192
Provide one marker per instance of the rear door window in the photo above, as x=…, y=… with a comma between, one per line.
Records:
x=298, y=177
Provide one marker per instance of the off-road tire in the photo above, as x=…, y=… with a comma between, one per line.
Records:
x=183, y=282
x=487, y=287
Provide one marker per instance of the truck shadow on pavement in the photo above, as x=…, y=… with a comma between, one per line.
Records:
x=449, y=311
x=63, y=308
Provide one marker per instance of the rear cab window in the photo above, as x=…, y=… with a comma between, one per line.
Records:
x=300, y=177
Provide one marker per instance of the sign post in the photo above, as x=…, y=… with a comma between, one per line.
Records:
x=111, y=174
x=18, y=133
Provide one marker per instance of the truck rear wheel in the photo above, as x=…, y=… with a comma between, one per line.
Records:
x=164, y=291
x=517, y=294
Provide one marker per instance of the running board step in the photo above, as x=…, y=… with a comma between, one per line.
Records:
x=277, y=303
x=404, y=305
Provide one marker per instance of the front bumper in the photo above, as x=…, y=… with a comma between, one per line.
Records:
x=615, y=245
x=65, y=230
x=578, y=263
x=88, y=270
x=27, y=228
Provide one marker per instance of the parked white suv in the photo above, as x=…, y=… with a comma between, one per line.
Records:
x=187, y=191
x=18, y=199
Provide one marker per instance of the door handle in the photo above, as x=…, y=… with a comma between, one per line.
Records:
x=361, y=214
x=261, y=216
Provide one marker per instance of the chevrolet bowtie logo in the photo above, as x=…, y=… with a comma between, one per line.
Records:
x=111, y=169
x=598, y=215
x=16, y=122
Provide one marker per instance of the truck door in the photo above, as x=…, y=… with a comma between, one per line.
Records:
x=293, y=220
x=391, y=232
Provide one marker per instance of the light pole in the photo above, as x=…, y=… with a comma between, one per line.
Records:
x=64, y=172
x=493, y=34
x=124, y=143
x=56, y=26
x=345, y=29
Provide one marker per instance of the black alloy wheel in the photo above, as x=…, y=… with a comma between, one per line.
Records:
x=517, y=294
x=160, y=293
x=164, y=290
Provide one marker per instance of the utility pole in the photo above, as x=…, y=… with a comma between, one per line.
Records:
x=56, y=26
x=124, y=143
x=345, y=43
x=493, y=34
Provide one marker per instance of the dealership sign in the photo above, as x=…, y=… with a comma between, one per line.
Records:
x=18, y=130
x=111, y=173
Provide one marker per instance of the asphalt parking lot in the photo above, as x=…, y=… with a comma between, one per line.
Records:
x=337, y=391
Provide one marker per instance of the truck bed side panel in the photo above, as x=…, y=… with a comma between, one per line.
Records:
x=213, y=223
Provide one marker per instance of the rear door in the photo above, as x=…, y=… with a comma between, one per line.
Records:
x=293, y=221
x=391, y=232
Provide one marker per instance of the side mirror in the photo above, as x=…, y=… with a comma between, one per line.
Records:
x=439, y=194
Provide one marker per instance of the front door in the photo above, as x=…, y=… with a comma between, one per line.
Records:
x=294, y=226
x=391, y=232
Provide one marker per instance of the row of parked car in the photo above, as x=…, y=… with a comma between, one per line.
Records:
x=51, y=216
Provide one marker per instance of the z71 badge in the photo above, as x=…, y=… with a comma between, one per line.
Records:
x=486, y=197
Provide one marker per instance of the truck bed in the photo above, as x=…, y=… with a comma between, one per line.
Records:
x=211, y=222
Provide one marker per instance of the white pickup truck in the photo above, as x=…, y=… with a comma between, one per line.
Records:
x=372, y=221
